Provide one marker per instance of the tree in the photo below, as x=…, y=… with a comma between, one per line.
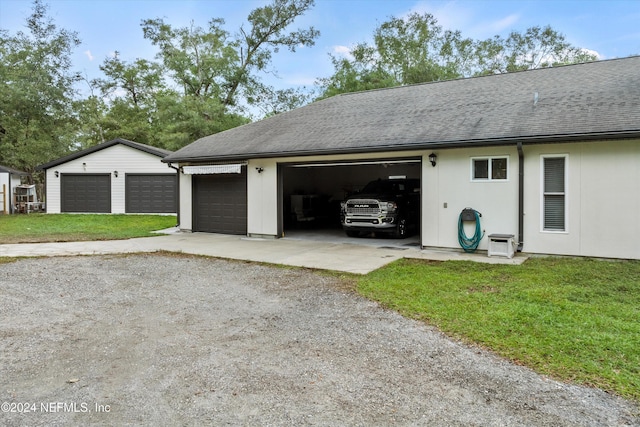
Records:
x=214, y=64
x=416, y=49
x=537, y=47
x=36, y=92
x=404, y=51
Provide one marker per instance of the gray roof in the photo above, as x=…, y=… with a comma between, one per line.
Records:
x=596, y=100
x=142, y=147
x=7, y=169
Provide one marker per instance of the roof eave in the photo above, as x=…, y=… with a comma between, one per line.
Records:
x=135, y=145
x=534, y=139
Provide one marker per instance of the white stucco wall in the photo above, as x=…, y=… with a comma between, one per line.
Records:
x=119, y=158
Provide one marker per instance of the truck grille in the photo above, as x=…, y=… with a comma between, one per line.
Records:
x=363, y=207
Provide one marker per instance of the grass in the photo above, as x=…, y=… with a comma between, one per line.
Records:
x=572, y=319
x=68, y=227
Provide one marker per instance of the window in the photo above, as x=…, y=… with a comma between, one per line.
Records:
x=554, y=193
x=489, y=168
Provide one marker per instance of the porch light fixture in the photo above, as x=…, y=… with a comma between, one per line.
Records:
x=432, y=159
x=115, y=173
x=84, y=166
x=57, y=174
x=260, y=170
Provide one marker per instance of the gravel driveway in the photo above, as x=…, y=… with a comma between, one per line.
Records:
x=179, y=340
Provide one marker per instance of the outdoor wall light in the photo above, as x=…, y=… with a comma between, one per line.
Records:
x=260, y=170
x=115, y=173
x=84, y=166
x=57, y=174
x=432, y=159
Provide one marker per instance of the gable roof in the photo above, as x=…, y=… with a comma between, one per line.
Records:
x=142, y=147
x=595, y=100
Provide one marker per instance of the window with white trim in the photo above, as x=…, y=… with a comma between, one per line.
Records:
x=554, y=193
x=490, y=168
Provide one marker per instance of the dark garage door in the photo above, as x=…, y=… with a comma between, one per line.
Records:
x=86, y=193
x=220, y=203
x=153, y=193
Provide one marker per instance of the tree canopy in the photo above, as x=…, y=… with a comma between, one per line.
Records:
x=416, y=49
x=36, y=92
x=204, y=80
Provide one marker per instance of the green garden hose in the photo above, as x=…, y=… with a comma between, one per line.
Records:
x=470, y=244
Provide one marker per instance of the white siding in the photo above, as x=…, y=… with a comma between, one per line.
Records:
x=185, y=202
x=11, y=182
x=119, y=157
x=448, y=189
x=5, y=198
x=603, y=200
x=262, y=198
x=603, y=197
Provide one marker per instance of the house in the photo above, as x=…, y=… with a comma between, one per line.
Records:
x=9, y=179
x=117, y=176
x=551, y=156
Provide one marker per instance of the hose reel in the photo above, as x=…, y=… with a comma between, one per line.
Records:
x=469, y=244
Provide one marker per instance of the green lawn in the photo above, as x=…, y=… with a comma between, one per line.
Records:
x=69, y=227
x=572, y=319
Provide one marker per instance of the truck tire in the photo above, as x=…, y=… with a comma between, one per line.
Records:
x=401, y=229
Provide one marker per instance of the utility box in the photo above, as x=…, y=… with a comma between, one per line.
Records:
x=501, y=245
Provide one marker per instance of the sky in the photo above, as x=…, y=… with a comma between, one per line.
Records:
x=610, y=28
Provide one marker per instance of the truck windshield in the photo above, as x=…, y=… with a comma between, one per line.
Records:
x=384, y=186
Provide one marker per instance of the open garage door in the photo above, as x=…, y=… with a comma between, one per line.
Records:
x=220, y=202
x=151, y=193
x=85, y=193
x=311, y=192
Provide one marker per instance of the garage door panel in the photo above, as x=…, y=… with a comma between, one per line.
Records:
x=220, y=203
x=85, y=193
x=153, y=193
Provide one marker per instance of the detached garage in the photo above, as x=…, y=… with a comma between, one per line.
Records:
x=117, y=176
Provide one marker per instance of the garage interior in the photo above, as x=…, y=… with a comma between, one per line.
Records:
x=312, y=192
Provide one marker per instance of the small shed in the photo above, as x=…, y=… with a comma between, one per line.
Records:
x=117, y=176
x=9, y=179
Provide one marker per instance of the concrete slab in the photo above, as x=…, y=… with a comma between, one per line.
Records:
x=325, y=255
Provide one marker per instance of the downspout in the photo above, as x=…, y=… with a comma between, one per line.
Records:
x=177, y=192
x=520, y=197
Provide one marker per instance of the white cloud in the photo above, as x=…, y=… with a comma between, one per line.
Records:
x=342, y=50
x=465, y=17
x=506, y=23
x=597, y=54
x=89, y=55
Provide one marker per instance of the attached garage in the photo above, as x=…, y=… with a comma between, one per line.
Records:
x=117, y=176
x=85, y=193
x=312, y=191
x=151, y=193
x=220, y=202
x=481, y=143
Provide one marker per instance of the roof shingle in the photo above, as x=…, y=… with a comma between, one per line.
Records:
x=584, y=101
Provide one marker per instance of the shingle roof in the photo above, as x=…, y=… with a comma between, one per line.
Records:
x=7, y=169
x=575, y=102
x=142, y=147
